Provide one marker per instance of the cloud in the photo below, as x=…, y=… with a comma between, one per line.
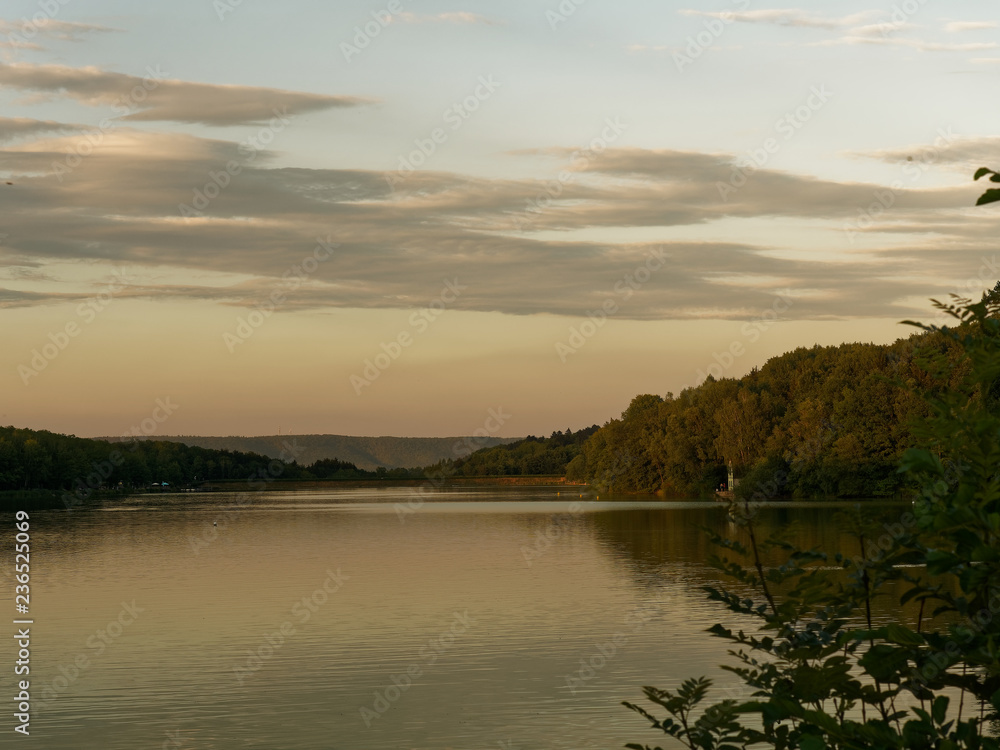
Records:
x=663, y=49
x=785, y=17
x=649, y=48
x=917, y=44
x=986, y=60
x=12, y=128
x=396, y=246
x=15, y=298
x=959, y=26
x=880, y=30
x=858, y=32
x=457, y=17
x=26, y=35
x=167, y=99
x=958, y=152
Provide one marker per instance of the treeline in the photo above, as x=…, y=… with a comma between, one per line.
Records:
x=531, y=456
x=822, y=421
x=38, y=459
x=42, y=460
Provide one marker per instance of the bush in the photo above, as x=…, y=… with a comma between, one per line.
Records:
x=819, y=673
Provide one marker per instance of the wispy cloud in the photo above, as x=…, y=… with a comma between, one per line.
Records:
x=786, y=17
x=856, y=29
x=25, y=35
x=961, y=153
x=664, y=48
x=179, y=101
x=12, y=128
x=649, y=48
x=958, y=26
x=456, y=17
x=880, y=30
x=895, y=41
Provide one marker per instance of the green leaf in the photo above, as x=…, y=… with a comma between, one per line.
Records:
x=990, y=196
x=940, y=709
x=982, y=171
x=939, y=562
x=884, y=662
x=903, y=635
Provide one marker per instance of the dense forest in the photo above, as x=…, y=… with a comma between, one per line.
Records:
x=41, y=460
x=822, y=421
x=37, y=459
x=532, y=456
x=365, y=452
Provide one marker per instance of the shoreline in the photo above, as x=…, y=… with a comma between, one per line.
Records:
x=326, y=484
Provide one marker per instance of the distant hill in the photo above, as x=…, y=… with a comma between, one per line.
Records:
x=558, y=454
x=364, y=452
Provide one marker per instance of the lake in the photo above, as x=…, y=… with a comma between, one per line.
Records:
x=372, y=618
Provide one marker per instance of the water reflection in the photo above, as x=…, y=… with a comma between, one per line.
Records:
x=565, y=611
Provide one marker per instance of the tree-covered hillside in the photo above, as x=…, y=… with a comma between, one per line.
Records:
x=364, y=452
x=829, y=421
x=38, y=459
x=42, y=460
x=532, y=456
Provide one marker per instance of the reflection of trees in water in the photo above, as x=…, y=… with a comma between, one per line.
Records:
x=662, y=547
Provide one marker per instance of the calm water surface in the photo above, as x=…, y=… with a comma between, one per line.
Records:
x=511, y=619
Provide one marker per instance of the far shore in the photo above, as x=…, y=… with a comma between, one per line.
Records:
x=329, y=484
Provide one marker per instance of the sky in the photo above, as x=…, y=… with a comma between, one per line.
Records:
x=420, y=218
